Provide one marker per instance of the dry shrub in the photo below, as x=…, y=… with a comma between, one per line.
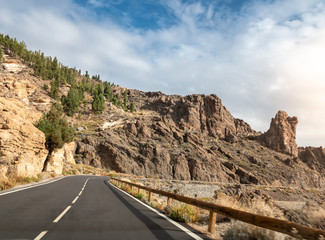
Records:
x=242, y=231
x=183, y=213
x=318, y=218
x=5, y=184
x=257, y=206
x=227, y=201
x=12, y=181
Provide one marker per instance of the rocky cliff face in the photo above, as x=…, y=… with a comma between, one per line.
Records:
x=22, y=145
x=200, y=113
x=313, y=157
x=281, y=136
x=22, y=150
x=188, y=138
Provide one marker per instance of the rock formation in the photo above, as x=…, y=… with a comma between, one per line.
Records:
x=313, y=157
x=22, y=145
x=200, y=113
x=60, y=157
x=281, y=136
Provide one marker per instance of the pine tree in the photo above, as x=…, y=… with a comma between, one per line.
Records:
x=132, y=107
x=54, y=89
x=108, y=93
x=1, y=55
x=125, y=100
x=98, y=104
x=72, y=101
x=56, y=128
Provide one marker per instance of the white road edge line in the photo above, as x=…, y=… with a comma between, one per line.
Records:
x=75, y=200
x=193, y=235
x=41, y=184
x=40, y=235
x=80, y=193
x=62, y=214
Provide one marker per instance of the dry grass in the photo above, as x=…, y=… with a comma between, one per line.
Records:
x=183, y=213
x=257, y=206
x=13, y=181
x=244, y=231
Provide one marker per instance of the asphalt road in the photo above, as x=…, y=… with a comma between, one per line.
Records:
x=82, y=207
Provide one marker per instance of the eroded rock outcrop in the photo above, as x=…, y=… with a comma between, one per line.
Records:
x=60, y=157
x=197, y=112
x=22, y=145
x=281, y=136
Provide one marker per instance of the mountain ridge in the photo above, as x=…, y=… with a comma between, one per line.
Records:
x=193, y=137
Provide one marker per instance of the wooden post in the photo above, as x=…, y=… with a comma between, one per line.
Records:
x=212, y=222
x=169, y=201
x=149, y=197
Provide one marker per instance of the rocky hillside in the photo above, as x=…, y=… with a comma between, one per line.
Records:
x=168, y=136
x=22, y=103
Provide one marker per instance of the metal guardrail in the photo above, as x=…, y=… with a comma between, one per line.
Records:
x=278, y=225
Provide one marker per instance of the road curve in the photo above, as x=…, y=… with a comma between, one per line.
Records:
x=82, y=207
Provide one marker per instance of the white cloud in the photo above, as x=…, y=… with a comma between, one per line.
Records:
x=265, y=58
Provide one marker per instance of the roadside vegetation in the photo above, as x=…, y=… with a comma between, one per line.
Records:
x=226, y=228
x=13, y=181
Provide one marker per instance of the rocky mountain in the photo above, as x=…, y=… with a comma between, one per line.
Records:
x=190, y=137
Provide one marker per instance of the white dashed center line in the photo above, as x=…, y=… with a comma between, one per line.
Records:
x=40, y=235
x=62, y=214
x=75, y=200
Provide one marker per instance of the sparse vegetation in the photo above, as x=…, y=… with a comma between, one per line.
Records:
x=12, y=181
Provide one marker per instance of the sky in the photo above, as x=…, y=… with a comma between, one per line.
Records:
x=258, y=56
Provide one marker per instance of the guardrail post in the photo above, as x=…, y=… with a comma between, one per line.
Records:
x=212, y=222
x=169, y=201
x=149, y=197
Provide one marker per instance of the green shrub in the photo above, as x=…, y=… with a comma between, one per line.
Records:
x=140, y=196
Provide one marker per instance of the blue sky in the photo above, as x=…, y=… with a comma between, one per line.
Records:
x=257, y=56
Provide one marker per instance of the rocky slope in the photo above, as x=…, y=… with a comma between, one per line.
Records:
x=22, y=103
x=189, y=138
x=169, y=136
